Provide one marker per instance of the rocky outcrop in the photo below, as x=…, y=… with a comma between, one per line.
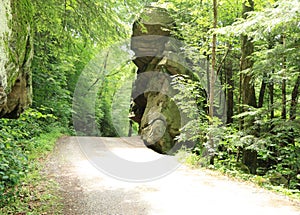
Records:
x=16, y=52
x=157, y=58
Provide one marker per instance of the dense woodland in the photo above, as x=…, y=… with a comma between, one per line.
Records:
x=251, y=47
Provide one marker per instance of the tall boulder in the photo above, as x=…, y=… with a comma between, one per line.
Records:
x=16, y=53
x=157, y=54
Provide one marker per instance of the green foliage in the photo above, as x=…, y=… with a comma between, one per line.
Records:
x=68, y=35
x=36, y=194
x=277, y=17
x=18, y=141
x=12, y=167
x=264, y=130
x=191, y=99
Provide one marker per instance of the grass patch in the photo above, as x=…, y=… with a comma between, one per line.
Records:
x=36, y=194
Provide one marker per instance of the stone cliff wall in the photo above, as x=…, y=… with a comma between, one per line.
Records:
x=157, y=58
x=16, y=52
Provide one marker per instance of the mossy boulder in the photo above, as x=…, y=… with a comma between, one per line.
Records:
x=277, y=179
x=157, y=58
x=16, y=53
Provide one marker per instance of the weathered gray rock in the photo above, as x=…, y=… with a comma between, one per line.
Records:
x=16, y=52
x=157, y=53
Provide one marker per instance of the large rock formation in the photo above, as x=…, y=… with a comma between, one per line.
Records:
x=157, y=58
x=16, y=52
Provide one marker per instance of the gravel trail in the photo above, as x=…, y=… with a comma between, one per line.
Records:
x=86, y=190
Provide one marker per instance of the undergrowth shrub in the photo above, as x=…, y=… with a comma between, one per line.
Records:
x=17, y=141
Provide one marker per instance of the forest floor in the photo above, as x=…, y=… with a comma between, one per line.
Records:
x=86, y=190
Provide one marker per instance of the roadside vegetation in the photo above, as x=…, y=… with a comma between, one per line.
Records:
x=24, y=188
x=253, y=130
x=254, y=54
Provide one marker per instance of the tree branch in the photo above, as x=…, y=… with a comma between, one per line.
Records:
x=223, y=59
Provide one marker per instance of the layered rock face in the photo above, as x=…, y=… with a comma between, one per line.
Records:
x=16, y=52
x=157, y=59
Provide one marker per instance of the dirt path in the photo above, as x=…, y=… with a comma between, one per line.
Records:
x=86, y=190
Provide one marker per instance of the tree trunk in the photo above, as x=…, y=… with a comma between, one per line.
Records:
x=208, y=73
x=261, y=96
x=247, y=87
x=283, y=86
x=212, y=80
x=240, y=108
x=262, y=93
x=248, y=91
x=294, y=100
x=271, y=93
x=283, y=101
x=229, y=92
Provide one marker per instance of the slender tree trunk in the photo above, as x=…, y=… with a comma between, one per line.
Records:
x=229, y=92
x=247, y=87
x=261, y=97
x=64, y=22
x=283, y=101
x=271, y=93
x=262, y=93
x=294, y=99
x=212, y=80
x=208, y=73
x=283, y=86
x=271, y=86
x=240, y=107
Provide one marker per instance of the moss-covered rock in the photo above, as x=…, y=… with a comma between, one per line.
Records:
x=277, y=179
x=16, y=52
x=157, y=58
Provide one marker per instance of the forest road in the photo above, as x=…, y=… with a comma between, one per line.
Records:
x=86, y=190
